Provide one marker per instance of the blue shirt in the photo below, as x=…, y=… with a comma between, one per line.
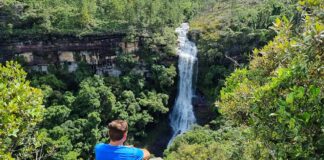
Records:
x=109, y=152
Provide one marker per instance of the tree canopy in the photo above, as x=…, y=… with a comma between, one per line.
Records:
x=88, y=17
x=260, y=64
x=21, y=110
x=273, y=108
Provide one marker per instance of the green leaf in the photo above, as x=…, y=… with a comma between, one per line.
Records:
x=14, y=132
x=292, y=122
x=282, y=110
x=314, y=91
x=290, y=98
x=300, y=92
x=306, y=116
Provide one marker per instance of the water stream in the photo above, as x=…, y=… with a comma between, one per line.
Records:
x=182, y=116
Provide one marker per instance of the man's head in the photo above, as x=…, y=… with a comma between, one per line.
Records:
x=118, y=130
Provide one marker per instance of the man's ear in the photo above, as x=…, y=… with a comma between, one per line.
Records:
x=125, y=136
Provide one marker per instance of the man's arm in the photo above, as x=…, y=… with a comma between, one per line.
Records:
x=146, y=154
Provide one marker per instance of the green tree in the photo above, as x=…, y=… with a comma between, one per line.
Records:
x=154, y=102
x=50, y=80
x=93, y=95
x=83, y=71
x=73, y=125
x=87, y=13
x=228, y=32
x=164, y=76
x=273, y=108
x=20, y=110
x=279, y=95
x=126, y=61
x=133, y=81
x=128, y=108
x=79, y=17
x=141, y=111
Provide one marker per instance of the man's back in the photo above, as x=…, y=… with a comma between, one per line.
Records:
x=109, y=152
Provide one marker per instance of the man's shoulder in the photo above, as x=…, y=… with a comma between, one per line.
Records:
x=127, y=149
x=132, y=151
x=106, y=150
x=130, y=148
x=100, y=146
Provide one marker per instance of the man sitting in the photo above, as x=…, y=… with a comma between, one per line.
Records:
x=116, y=150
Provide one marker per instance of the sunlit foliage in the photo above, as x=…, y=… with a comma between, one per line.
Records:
x=273, y=107
x=21, y=110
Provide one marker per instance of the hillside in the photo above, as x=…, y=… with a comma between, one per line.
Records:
x=211, y=79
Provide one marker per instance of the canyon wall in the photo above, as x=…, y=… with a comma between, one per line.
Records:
x=99, y=51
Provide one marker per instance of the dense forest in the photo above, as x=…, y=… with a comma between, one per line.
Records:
x=82, y=17
x=259, y=82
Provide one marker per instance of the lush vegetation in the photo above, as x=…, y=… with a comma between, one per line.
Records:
x=226, y=34
x=21, y=110
x=272, y=108
x=78, y=106
x=77, y=109
x=77, y=120
x=88, y=17
x=261, y=61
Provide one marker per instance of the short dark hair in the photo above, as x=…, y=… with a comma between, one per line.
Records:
x=117, y=129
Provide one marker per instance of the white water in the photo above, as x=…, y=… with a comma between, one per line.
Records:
x=182, y=116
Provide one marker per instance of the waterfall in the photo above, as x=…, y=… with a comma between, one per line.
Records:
x=182, y=116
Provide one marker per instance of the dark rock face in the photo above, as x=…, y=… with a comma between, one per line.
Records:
x=104, y=44
x=204, y=111
x=194, y=35
x=98, y=51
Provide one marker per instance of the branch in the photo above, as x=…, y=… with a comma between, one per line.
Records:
x=233, y=60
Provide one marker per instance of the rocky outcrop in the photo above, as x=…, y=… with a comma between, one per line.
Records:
x=194, y=35
x=49, y=43
x=97, y=50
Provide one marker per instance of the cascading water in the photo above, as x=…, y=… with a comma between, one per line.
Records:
x=182, y=116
